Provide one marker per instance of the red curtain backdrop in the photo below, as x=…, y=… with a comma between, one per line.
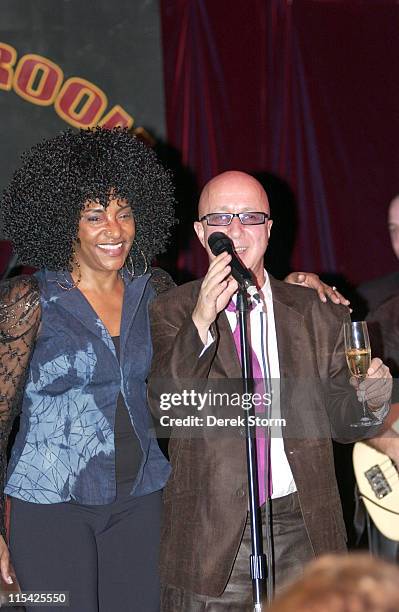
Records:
x=305, y=89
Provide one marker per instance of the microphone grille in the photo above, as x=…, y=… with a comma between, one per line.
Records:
x=219, y=243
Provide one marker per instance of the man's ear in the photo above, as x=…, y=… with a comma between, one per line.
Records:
x=269, y=227
x=199, y=230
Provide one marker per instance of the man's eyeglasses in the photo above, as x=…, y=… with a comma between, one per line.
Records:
x=246, y=218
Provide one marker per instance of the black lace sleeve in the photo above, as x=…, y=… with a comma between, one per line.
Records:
x=161, y=280
x=19, y=322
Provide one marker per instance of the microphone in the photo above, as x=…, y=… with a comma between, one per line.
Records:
x=220, y=243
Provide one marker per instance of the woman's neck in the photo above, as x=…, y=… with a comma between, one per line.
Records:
x=98, y=281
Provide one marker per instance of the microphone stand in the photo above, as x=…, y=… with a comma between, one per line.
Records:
x=257, y=558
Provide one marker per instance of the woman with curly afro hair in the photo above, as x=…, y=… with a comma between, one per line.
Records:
x=89, y=210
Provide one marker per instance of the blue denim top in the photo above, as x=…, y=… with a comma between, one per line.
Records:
x=65, y=445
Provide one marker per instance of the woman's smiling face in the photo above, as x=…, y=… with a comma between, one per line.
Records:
x=105, y=235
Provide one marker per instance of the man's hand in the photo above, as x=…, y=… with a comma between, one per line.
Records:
x=376, y=388
x=216, y=291
x=312, y=281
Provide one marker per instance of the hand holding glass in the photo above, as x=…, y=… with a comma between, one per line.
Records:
x=358, y=357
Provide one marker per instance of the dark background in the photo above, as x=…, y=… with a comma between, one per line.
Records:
x=115, y=45
x=304, y=92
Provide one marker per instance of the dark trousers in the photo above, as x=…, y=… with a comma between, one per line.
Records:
x=105, y=556
x=291, y=548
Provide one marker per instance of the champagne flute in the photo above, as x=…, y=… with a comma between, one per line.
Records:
x=358, y=357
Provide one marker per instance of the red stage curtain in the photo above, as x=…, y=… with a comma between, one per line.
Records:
x=305, y=89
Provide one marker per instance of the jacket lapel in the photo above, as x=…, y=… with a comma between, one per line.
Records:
x=73, y=301
x=227, y=357
x=291, y=344
x=226, y=362
x=134, y=292
x=289, y=328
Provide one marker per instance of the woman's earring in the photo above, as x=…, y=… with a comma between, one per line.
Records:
x=129, y=264
x=65, y=283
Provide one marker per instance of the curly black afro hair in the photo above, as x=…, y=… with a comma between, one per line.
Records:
x=41, y=207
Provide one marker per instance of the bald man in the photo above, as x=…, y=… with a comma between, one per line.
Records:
x=376, y=291
x=206, y=537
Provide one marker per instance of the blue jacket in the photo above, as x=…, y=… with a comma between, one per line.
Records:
x=65, y=445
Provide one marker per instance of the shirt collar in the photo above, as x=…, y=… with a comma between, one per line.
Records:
x=266, y=290
x=265, y=293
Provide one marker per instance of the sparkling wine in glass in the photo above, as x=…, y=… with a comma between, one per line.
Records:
x=358, y=357
x=358, y=360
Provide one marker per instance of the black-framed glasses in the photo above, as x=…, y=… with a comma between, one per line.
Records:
x=246, y=218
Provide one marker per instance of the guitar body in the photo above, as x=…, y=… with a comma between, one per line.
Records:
x=378, y=481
